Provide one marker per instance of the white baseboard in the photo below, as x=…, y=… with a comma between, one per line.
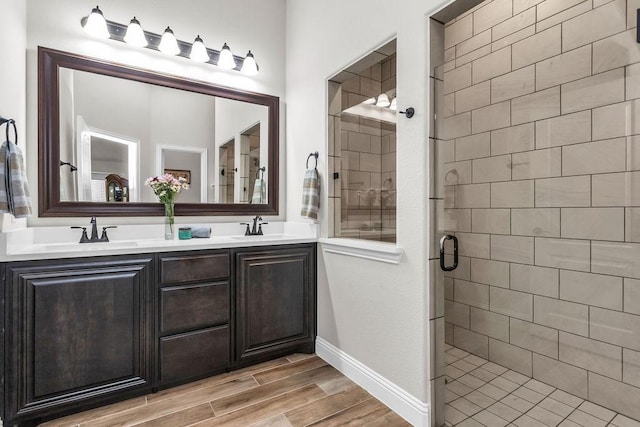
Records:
x=404, y=404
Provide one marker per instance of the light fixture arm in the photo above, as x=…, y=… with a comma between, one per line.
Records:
x=117, y=32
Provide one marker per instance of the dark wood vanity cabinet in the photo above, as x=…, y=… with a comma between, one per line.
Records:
x=195, y=314
x=78, y=333
x=275, y=302
x=84, y=332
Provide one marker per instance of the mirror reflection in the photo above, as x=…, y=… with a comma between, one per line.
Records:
x=115, y=132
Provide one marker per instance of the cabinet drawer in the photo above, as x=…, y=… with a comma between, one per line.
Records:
x=193, y=268
x=193, y=306
x=195, y=354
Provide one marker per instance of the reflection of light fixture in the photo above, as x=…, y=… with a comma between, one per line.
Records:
x=199, y=51
x=394, y=104
x=168, y=43
x=96, y=25
x=226, y=59
x=249, y=66
x=370, y=101
x=135, y=34
x=383, y=100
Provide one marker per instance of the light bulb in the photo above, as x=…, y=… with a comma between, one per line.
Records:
x=394, y=104
x=383, y=100
x=249, y=66
x=199, y=51
x=226, y=59
x=96, y=25
x=135, y=34
x=168, y=43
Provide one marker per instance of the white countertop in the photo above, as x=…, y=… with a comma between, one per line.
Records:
x=63, y=242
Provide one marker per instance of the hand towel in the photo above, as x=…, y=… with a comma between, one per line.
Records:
x=310, y=194
x=200, y=231
x=259, y=192
x=14, y=195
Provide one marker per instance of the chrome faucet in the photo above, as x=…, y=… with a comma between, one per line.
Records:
x=94, y=232
x=254, y=229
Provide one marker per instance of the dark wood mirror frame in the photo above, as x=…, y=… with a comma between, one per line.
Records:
x=49, y=204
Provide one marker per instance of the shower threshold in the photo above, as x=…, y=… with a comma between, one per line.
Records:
x=481, y=393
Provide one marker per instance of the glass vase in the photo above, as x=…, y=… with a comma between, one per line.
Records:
x=168, y=221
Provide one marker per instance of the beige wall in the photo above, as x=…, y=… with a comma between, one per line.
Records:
x=540, y=105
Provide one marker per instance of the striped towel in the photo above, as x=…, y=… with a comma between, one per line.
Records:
x=310, y=194
x=14, y=195
x=259, y=192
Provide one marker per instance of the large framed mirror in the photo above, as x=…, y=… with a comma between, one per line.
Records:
x=104, y=128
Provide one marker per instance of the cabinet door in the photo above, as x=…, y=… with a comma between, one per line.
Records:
x=275, y=302
x=80, y=333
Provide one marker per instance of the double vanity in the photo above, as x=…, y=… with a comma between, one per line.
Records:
x=91, y=324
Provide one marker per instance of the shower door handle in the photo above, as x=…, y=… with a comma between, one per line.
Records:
x=455, y=252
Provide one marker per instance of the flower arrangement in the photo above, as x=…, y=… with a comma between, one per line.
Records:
x=167, y=187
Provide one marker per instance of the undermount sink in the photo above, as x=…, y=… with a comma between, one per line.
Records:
x=259, y=237
x=62, y=247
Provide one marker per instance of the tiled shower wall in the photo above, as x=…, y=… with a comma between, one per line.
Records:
x=364, y=155
x=541, y=106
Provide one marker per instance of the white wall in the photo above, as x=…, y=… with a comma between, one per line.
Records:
x=258, y=25
x=12, y=74
x=375, y=312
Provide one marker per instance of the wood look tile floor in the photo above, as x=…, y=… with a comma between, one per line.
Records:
x=298, y=390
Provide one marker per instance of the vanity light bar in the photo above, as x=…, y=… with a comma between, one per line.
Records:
x=118, y=31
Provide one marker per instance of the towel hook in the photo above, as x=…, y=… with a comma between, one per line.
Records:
x=262, y=169
x=10, y=123
x=315, y=155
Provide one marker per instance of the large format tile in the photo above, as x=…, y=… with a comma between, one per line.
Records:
x=537, y=164
x=594, y=157
x=537, y=48
x=542, y=222
x=563, y=253
x=594, y=25
x=592, y=355
x=567, y=129
x=489, y=323
x=537, y=338
x=493, y=65
x=514, y=84
x=616, y=189
x=490, y=272
x=511, y=303
x=614, y=327
x=569, y=66
x=535, y=280
x=513, y=194
x=591, y=289
x=510, y=356
x=615, y=258
x=593, y=223
x=558, y=374
x=562, y=315
x=536, y=106
x=497, y=221
x=491, y=14
x=513, y=139
x=592, y=92
x=512, y=249
x=563, y=192
x=615, y=395
x=615, y=51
